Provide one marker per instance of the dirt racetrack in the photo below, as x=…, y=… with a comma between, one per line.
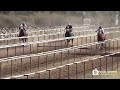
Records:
x=34, y=64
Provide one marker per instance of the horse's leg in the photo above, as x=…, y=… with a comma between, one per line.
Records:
x=99, y=45
x=102, y=46
x=25, y=39
x=72, y=42
x=67, y=42
x=20, y=40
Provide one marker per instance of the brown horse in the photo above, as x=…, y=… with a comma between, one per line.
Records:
x=69, y=34
x=23, y=33
x=101, y=38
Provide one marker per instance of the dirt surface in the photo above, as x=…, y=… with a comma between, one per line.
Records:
x=40, y=63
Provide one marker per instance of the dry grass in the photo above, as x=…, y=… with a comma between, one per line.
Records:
x=46, y=19
x=38, y=19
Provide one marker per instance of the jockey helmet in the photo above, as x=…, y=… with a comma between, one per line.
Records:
x=69, y=24
x=100, y=27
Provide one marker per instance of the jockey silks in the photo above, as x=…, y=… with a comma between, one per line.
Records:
x=101, y=30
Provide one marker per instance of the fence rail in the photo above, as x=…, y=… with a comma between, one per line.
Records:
x=76, y=73
x=47, y=31
x=46, y=36
x=64, y=52
x=37, y=47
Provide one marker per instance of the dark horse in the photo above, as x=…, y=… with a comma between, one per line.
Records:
x=23, y=33
x=69, y=33
x=101, y=38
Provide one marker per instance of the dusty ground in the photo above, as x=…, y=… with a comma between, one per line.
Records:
x=80, y=68
x=52, y=61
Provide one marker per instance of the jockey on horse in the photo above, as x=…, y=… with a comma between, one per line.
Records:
x=69, y=33
x=100, y=35
x=23, y=29
x=23, y=26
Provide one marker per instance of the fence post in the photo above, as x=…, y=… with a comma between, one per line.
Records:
x=68, y=57
x=30, y=64
x=38, y=62
x=84, y=69
x=14, y=41
x=92, y=67
x=90, y=39
x=15, y=50
x=7, y=42
x=44, y=37
x=68, y=71
x=55, y=45
x=117, y=60
x=0, y=69
x=117, y=44
x=11, y=67
x=80, y=53
x=79, y=34
x=100, y=65
x=112, y=62
x=26, y=76
x=38, y=75
x=76, y=70
x=77, y=41
x=61, y=58
x=61, y=43
x=59, y=73
x=105, y=46
x=30, y=48
x=50, y=45
x=109, y=46
x=74, y=54
x=49, y=37
x=21, y=65
x=38, y=38
x=46, y=60
x=106, y=64
x=113, y=45
x=49, y=73
x=7, y=51
x=43, y=46
x=37, y=47
x=23, y=49
x=86, y=40
x=86, y=51
x=54, y=60
x=12, y=78
x=32, y=39
x=94, y=38
x=81, y=40
x=91, y=50
x=58, y=35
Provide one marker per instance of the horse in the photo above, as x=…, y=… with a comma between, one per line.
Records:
x=101, y=38
x=23, y=33
x=69, y=33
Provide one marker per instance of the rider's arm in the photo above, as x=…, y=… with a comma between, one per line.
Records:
x=96, y=30
x=66, y=27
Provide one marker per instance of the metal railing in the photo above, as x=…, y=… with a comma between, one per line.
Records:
x=64, y=54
